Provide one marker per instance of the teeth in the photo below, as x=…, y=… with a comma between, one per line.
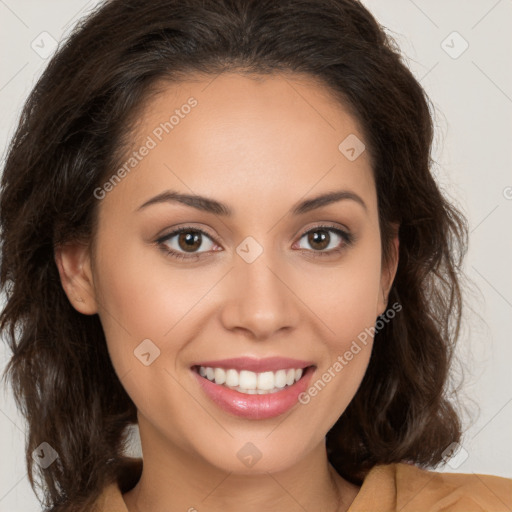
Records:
x=250, y=382
x=219, y=375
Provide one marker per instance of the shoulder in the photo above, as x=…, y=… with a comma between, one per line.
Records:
x=458, y=491
x=408, y=488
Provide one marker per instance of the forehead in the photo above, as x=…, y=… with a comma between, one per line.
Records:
x=258, y=136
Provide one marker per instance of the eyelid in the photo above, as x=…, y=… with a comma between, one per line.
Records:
x=325, y=224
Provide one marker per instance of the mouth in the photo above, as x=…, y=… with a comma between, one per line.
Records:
x=253, y=395
x=253, y=383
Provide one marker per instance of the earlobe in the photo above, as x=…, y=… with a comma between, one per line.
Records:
x=73, y=264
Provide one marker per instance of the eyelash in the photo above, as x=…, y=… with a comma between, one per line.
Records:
x=348, y=239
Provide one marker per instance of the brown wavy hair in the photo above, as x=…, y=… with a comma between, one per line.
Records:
x=72, y=131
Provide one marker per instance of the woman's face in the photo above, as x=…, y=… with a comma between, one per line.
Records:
x=269, y=279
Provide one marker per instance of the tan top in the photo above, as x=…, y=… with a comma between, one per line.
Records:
x=386, y=488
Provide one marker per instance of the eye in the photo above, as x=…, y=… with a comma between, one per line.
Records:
x=188, y=239
x=320, y=239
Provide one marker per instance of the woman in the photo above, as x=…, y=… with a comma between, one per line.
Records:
x=219, y=223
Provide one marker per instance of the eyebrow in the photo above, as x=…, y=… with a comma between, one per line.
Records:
x=212, y=206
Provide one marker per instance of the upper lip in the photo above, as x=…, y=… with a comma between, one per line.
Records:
x=268, y=364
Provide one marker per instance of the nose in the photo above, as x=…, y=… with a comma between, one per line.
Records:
x=260, y=298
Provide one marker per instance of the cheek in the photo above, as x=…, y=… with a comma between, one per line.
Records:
x=138, y=300
x=347, y=307
x=345, y=296
x=347, y=304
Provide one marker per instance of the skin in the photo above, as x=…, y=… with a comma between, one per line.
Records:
x=259, y=146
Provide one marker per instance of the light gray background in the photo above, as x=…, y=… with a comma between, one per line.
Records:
x=472, y=94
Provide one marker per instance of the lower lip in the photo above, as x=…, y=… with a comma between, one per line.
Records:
x=255, y=407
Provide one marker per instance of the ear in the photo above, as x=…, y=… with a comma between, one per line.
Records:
x=74, y=265
x=388, y=272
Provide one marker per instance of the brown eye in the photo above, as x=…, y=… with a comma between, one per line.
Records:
x=319, y=239
x=326, y=240
x=189, y=242
x=185, y=241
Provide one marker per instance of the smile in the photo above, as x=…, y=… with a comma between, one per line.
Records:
x=252, y=383
x=253, y=395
